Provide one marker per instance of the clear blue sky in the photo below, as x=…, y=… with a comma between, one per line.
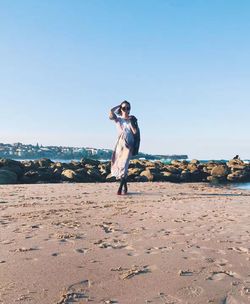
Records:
x=183, y=65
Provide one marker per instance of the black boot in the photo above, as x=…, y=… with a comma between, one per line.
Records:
x=119, y=192
x=125, y=187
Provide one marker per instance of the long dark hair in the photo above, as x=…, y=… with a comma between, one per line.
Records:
x=119, y=112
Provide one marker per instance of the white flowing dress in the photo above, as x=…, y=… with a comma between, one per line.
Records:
x=123, y=149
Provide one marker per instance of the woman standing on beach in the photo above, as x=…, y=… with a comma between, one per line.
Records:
x=127, y=143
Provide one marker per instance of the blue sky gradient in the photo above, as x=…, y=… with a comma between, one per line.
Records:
x=183, y=65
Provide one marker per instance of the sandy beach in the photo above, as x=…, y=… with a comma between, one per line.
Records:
x=162, y=243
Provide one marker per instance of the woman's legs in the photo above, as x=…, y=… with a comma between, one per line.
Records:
x=123, y=183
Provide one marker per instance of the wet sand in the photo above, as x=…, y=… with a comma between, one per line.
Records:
x=162, y=243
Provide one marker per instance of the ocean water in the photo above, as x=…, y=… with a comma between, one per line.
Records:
x=243, y=186
x=164, y=160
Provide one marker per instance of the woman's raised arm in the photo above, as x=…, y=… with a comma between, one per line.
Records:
x=112, y=114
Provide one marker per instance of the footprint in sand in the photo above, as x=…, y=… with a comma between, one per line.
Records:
x=114, y=244
x=231, y=300
x=163, y=232
x=222, y=262
x=24, y=249
x=156, y=250
x=240, y=249
x=81, y=250
x=220, y=275
x=110, y=302
x=31, y=259
x=210, y=260
x=190, y=291
x=163, y=298
x=7, y=242
x=125, y=273
x=132, y=252
x=108, y=227
x=56, y=254
x=77, y=292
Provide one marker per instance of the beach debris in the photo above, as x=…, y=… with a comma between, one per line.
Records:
x=155, y=250
x=185, y=273
x=75, y=292
x=81, y=250
x=240, y=249
x=133, y=271
x=24, y=297
x=70, y=297
x=219, y=275
x=23, y=249
x=67, y=223
x=168, y=299
x=64, y=236
x=118, y=269
x=34, y=226
x=246, y=290
x=115, y=244
x=108, y=227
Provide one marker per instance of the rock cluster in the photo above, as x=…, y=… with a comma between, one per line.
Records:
x=88, y=170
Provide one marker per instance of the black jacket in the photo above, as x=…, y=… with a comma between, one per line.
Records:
x=137, y=136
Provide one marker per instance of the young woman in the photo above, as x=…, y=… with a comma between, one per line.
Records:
x=126, y=143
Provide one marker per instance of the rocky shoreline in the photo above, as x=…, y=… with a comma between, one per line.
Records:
x=89, y=170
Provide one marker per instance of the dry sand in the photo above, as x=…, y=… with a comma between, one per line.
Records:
x=162, y=243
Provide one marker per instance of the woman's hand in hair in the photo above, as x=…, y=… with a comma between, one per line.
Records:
x=112, y=114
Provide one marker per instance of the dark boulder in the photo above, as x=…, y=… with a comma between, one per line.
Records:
x=134, y=172
x=69, y=175
x=30, y=165
x=43, y=162
x=194, y=161
x=6, y=162
x=236, y=164
x=172, y=169
x=95, y=175
x=185, y=176
x=141, y=179
x=148, y=175
x=7, y=177
x=88, y=161
x=110, y=178
x=14, y=168
x=136, y=163
x=30, y=177
x=238, y=176
x=216, y=179
x=167, y=176
x=220, y=171
x=104, y=169
x=80, y=175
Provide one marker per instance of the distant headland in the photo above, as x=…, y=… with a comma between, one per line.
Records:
x=28, y=151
